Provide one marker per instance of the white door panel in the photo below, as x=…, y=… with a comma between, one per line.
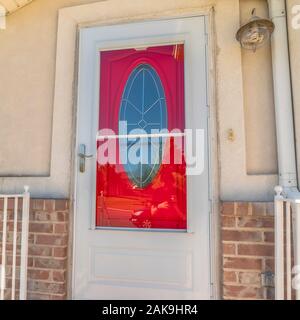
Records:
x=137, y=264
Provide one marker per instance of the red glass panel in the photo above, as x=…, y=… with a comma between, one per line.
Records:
x=161, y=204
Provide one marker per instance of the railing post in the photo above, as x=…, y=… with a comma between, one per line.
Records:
x=15, y=239
x=279, y=244
x=3, y=260
x=296, y=235
x=24, y=245
x=288, y=251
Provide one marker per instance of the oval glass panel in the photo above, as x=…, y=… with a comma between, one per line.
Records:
x=143, y=109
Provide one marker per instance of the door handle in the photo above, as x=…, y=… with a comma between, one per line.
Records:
x=82, y=157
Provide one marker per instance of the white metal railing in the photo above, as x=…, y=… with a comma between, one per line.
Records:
x=287, y=245
x=11, y=220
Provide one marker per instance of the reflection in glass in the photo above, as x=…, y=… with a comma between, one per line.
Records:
x=145, y=89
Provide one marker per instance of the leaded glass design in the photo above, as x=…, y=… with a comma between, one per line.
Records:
x=143, y=108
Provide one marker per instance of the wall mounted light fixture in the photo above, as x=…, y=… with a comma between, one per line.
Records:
x=255, y=33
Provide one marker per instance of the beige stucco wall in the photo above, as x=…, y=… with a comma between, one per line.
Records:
x=261, y=150
x=27, y=63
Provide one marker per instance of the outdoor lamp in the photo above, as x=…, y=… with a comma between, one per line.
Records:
x=255, y=33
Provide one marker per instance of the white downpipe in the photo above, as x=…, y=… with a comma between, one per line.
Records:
x=283, y=97
x=285, y=134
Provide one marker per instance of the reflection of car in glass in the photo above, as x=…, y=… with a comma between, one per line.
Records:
x=161, y=220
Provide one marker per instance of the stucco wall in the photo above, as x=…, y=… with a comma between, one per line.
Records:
x=261, y=150
x=27, y=64
x=234, y=110
x=27, y=77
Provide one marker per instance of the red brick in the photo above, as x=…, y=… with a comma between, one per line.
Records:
x=10, y=204
x=243, y=292
x=38, y=274
x=250, y=278
x=242, y=236
x=228, y=208
x=50, y=205
x=248, y=222
x=270, y=265
x=61, y=205
x=256, y=250
x=47, y=260
x=46, y=287
x=59, y=276
x=11, y=215
x=7, y=294
x=60, y=252
x=49, y=216
x=48, y=263
x=58, y=297
x=38, y=296
x=269, y=237
x=229, y=249
x=30, y=262
x=11, y=226
x=34, y=250
x=60, y=228
x=228, y=222
x=31, y=238
x=37, y=204
x=62, y=216
x=41, y=227
x=51, y=239
x=9, y=271
x=242, y=263
x=242, y=209
x=229, y=276
x=39, y=216
x=270, y=208
x=9, y=259
x=259, y=209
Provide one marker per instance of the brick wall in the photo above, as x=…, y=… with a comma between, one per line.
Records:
x=47, y=251
x=48, y=237
x=247, y=243
x=248, y=249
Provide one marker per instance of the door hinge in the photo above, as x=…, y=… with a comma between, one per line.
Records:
x=212, y=288
x=208, y=111
x=210, y=206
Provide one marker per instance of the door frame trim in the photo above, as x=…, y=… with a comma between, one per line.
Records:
x=70, y=21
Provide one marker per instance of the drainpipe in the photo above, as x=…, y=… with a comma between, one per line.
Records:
x=285, y=138
x=283, y=98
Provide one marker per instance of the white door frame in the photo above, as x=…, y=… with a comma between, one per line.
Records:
x=212, y=194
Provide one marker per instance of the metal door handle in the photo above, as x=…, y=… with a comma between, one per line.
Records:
x=82, y=156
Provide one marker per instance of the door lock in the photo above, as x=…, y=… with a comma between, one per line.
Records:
x=82, y=157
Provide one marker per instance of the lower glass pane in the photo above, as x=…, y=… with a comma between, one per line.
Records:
x=161, y=205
